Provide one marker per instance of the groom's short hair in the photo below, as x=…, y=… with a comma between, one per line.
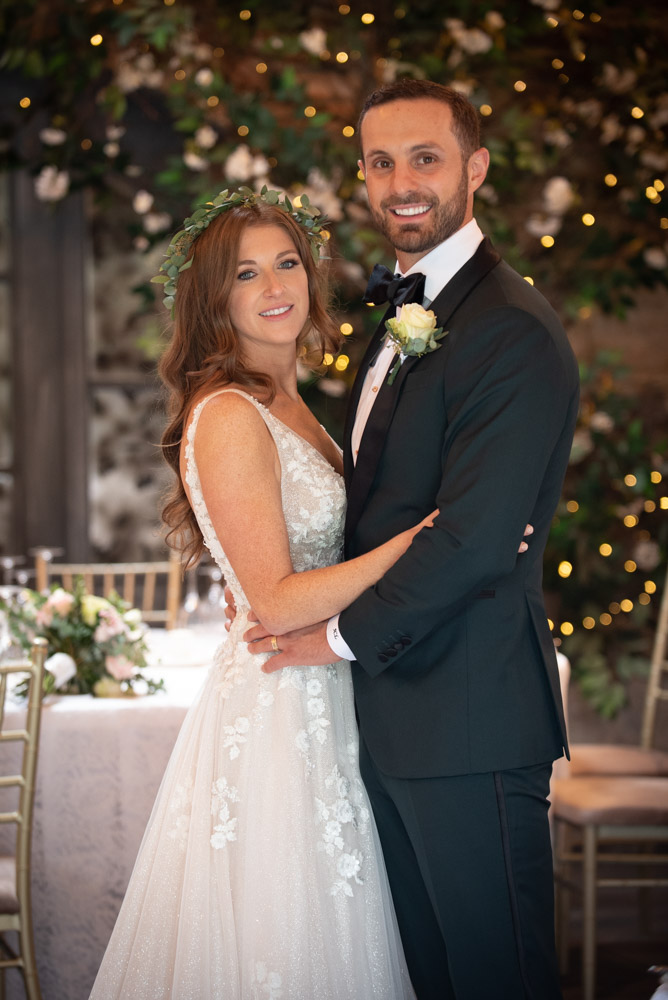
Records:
x=465, y=120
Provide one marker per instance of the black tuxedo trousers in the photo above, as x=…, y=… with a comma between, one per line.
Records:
x=456, y=681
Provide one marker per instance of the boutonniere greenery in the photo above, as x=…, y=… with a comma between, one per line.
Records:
x=413, y=333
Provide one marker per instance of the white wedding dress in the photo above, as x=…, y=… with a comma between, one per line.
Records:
x=260, y=875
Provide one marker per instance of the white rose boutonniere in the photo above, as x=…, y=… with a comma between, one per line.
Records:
x=413, y=333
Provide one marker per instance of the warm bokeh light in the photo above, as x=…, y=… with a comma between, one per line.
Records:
x=344, y=8
x=610, y=180
x=342, y=57
x=655, y=476
x=348, y=131
x=368, y=18
x=96, y=40
x=342, y=362
x=630, y=520
x=605, y=618
x=519, y=86
x=180, y=74
x=24, y=102
x=630, y=479
x=605, y=549
x=663, y=503
x=346, y=329
x=547, y=241
x=550, y=624
x=644, y=599
x=650, y=587
x=327, y=358
x=565, y=569
x=566, y=628
x=588, y=622
x=614, y=608
x=485, y=110
x=572, y=506
x=637, y=112
x=213, y=101
x=243, y=130
x=649, y=506
x=261, y=68
x=527, y=277
x=245, y=15
x=310, y=111
x=86, y=144
x=630, y=566
x=627, y=605
x=588, y=219
x=557, y=64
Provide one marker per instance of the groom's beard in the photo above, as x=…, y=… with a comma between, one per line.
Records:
x=444, y=219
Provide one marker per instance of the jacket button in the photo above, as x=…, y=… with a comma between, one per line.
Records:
x=382, y=658
x=405, y=640
x=391, y=651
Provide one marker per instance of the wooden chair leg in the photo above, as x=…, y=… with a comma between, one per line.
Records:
x=562, y=896
x=30, y=976
x=589, y=849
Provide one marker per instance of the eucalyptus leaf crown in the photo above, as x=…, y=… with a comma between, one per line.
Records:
x=176, y=258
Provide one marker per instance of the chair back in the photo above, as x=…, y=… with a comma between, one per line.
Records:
x=24, y=779
x=656, y=691
x=135, y=582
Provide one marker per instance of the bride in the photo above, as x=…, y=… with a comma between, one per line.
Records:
x=260, y=873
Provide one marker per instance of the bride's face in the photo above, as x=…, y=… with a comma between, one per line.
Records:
x=269, y=302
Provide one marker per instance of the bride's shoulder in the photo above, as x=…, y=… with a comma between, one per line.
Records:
x=229, y=413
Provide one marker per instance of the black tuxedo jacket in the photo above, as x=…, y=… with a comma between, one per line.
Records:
x=456, y=671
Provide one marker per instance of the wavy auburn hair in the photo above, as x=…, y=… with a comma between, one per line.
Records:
x=205, y=354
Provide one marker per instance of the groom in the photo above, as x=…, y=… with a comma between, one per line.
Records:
x=454, y=668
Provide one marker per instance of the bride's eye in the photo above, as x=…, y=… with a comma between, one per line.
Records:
x=245, y=275
x=290, y=263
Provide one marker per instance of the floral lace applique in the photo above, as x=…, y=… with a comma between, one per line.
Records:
x=270, y=983
x=236, y=734
x=226, y=829
x=346, y=809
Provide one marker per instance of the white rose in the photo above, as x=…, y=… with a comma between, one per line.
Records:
x=52, y=184
x=62, y=667
x=557, y=195
x=206, y=137
x=52, y=136
x=204, y=77
x=142, y=202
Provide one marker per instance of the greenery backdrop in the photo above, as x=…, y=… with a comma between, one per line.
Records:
x=155, y=105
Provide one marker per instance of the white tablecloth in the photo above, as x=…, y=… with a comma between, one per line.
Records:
x=100, y=765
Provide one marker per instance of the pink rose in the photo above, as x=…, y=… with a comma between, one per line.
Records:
x=44, y=615
x=111, y=624
x=60, y=601
x=120, y=667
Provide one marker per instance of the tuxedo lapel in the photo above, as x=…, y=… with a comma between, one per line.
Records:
x=360, y=476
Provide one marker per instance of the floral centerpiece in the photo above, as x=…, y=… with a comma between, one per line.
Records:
x=96, y=644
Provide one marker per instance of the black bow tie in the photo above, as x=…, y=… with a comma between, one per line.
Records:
x=387, y=287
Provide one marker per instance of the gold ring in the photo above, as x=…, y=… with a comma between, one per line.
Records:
x=274, y=644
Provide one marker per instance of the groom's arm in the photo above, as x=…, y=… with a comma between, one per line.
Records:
x=515, y=393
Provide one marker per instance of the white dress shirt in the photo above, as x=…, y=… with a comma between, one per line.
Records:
x=439, y=266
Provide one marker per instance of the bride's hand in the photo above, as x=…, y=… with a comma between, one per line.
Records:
x=527, y=531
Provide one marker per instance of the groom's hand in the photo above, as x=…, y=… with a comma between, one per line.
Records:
x=304, y=647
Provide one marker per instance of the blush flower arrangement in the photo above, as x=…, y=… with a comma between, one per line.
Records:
x=96, y=644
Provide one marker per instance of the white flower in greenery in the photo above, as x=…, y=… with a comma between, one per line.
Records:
x=204, y=77
x=132, y=616
x=471, y=40
x=142, y=202
x=111, y=149
x=602, y=422
x=62, y=667
x=413, y=333
x=157, y=222
x=193, y=161
x=655, y=257
x=494, y=20
x=647, y=554
x=546, y=4
x=314, y=40
x=558, y=137
x=115, y=132
x=206, y=137
x=543, y=225
x=334, y=387
x=558, y=195
x=241, y=165
x=52, y=184
x=52, y=136
x=611, y=129
x=140, y=243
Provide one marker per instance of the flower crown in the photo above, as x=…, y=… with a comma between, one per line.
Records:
x=175, y=259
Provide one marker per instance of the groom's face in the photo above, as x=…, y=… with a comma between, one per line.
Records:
x=420, y=189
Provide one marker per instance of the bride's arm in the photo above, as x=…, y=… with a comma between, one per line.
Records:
x=239, y=474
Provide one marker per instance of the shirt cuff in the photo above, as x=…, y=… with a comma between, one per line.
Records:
x=337, y=643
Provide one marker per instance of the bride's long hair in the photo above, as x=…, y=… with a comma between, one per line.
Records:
x=204, y=353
